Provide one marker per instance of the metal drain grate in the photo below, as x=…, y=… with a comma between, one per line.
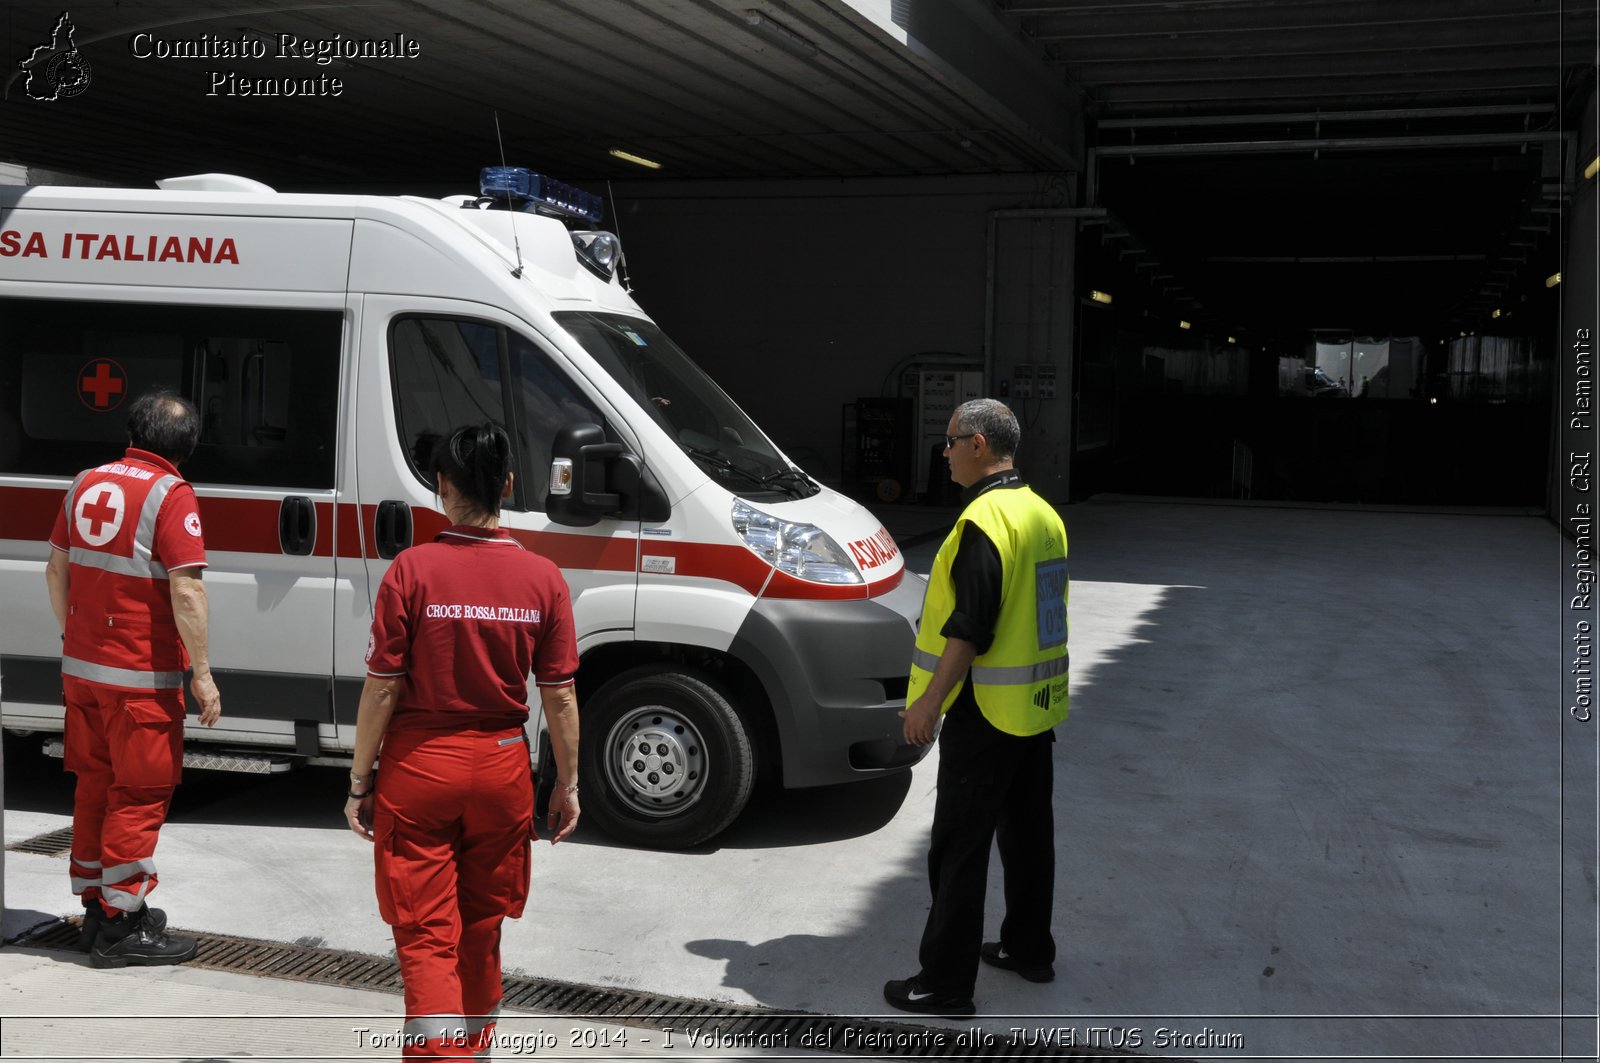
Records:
x=728, y=1024
x=56, y=843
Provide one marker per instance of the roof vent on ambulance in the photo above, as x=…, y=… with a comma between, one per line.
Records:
x=212, y=182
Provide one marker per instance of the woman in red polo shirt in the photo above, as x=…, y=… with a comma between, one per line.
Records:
x=458, y=625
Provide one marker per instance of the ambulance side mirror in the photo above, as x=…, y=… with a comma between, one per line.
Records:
x=591, y=478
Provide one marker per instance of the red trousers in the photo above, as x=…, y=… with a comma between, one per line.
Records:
x=453, y=822
x=126, y=747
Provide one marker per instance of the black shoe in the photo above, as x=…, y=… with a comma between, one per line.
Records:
x=994, y=954
x=94, y=916
x=131, y=940
x=909, y=995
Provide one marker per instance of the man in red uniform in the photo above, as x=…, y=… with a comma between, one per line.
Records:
x=124, y=581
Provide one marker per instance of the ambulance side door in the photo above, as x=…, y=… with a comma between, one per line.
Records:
x=266, y=381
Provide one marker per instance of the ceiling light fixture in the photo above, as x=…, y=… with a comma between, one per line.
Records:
x=1552, y=280
x=1185, y=325
x=779, y=34
x=1593, y=168
x=1101, y=297
x=637, y=160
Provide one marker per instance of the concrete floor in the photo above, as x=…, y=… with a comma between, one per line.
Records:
x=1311, y=793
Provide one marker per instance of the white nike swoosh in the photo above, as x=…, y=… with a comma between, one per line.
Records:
x=918, y=996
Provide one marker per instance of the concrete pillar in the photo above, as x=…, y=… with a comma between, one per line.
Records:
x=1032, y=322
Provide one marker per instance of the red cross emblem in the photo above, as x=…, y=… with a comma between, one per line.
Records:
x=100, y=512
x=102, y=385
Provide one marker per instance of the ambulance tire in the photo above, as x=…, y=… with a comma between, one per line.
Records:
x=665, y=760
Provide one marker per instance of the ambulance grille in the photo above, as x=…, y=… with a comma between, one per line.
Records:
x=56, y=843
x=867, y=1038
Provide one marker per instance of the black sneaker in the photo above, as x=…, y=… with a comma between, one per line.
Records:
x=94, y=916
x=131, y=940
x=908, y=994
x=995, y=955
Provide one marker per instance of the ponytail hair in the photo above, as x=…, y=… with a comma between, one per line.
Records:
x=477, y=460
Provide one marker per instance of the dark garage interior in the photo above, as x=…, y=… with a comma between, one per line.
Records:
x=1329, y=232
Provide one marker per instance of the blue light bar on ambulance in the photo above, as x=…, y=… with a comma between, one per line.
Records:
x=525, y=188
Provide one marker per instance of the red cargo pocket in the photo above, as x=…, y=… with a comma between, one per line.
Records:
x=389, y=871
x=147, y=743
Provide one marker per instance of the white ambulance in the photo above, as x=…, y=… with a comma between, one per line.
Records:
x=735, y=617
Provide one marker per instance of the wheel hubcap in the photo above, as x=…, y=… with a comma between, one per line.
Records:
x=656, y=761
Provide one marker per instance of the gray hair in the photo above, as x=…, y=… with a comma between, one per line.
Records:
x=165, y=423
x=997, y=423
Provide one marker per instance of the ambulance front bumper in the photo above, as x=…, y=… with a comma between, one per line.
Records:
x=835, y=673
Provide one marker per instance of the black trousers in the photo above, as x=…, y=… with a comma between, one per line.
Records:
x=993, y=788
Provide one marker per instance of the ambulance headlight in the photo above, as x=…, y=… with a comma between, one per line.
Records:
x=600, y=252
x=804, y=551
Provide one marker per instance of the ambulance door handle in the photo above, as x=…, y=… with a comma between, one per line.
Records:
x=297, y=525
x=392, y=529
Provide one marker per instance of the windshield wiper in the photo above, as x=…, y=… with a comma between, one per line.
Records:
x=797, y=481
x=792, y=476
x=719, y=461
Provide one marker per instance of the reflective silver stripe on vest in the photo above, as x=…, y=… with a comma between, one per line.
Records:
x=144, y=538
x=921, y=658
x=120, y=677
x=115, y=563
x=79, y=885
x=1020, y=674
x=437, y=1027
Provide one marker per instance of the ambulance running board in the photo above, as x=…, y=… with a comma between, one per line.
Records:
x=250, y=763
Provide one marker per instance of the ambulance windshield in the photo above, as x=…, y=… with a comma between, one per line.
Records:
x=688, y=405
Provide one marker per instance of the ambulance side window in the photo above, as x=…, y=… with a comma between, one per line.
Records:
x=446, y=373
x=450, y=371
x=264, y=380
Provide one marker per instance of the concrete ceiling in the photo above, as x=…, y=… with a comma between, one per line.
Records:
x=1227, y=136
x=708, y=88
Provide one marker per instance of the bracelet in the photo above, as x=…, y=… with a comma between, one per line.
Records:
x=360, y=797
x=569, y=789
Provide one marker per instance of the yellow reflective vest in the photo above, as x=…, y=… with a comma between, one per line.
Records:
x=1020, y=683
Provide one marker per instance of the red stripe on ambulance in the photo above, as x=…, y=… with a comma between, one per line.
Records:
x=250, y=526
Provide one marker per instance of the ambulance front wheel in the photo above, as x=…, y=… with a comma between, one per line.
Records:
x=665, y=759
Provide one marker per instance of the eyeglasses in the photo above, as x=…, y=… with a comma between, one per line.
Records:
x=950, y=441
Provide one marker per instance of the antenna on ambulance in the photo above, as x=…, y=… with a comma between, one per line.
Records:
x=616, y=223
x=515, y=243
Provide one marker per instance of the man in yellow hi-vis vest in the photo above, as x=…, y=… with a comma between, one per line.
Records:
x=991, y=657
